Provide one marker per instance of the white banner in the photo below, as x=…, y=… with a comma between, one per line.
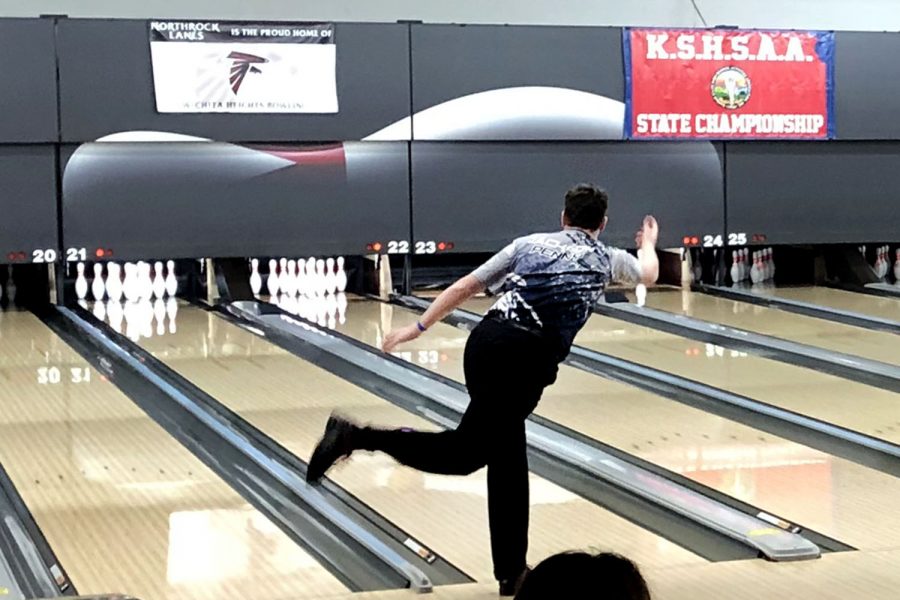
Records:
x=206, y=67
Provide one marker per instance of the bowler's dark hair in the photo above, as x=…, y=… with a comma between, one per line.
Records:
x=586, y=206
x=576, y=575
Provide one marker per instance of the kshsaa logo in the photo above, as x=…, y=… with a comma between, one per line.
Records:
x=730, y=87
x=241, y=64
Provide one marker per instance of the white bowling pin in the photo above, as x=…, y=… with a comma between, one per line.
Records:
x=320, y=277
x=146, y=281
x=114, y=282
x=272, y=285
x=282, y=274
x=330, y=280
x=735, y=272
x=98, y=288
x=341, y=275
x=745, y=265
x=302, y=279
x=171, y=279
x=129, y=284
x=159, y=280
x=81, y=283
x=771, y=263
x=255, y=277
x=897, y=267
x=877, y=266
x=291, y=288
x=311, y=276
x=755, y=273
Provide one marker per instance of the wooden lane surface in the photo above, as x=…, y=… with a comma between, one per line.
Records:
x=875, y=345
x=881, y=307
x=290, y=399
x=126, y=508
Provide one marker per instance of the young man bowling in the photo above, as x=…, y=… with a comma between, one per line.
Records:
x=547, y=285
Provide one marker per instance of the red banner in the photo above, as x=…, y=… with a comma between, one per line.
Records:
x=728, y=83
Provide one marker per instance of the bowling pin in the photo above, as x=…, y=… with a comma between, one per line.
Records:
x=744, y=265
x=735, y=272
x=114, y=282
x=145, y=286
x=171, y=279
x=272, y=280
x=302, y=280
x=159, y=281
x=282, y=274
x=771, y=263
x=292, y=277
x=320, y=277
x=330, y=282
x=98, y=288
x=129, y=285
x=755, y=273
x=81, y=283
x=311, y=276
x=255, y=277
x=897, y=267
x=341, y=275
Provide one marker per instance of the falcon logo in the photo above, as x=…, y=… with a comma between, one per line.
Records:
x=241, y=64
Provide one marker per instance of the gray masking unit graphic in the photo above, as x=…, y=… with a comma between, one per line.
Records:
x=482, y=195
x=517, y=83
x=200, y=198
x=28, y=93
x=28, y=202
x=813, y=192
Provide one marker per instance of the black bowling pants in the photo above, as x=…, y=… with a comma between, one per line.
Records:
x=507, y=369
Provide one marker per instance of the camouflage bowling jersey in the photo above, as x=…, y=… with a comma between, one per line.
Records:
x=549, y=282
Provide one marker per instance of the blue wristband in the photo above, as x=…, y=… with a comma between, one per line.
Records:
x=421, y=327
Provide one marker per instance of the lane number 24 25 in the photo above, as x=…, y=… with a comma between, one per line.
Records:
x=716, y=241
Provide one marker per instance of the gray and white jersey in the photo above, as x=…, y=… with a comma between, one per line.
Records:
x=550, y=281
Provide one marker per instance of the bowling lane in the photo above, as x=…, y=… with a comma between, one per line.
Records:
x=290, y=400
x=852, y=405
x=881, y=307
x=125, y=507
x=825, y=493
x=875, y=345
